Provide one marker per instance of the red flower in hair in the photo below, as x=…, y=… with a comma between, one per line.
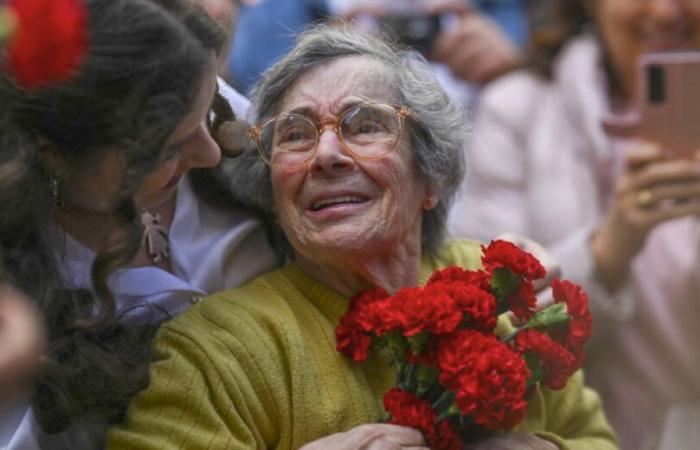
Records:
x=50, y=41
x=488, y=378
x=557, y=362
x=504, y=254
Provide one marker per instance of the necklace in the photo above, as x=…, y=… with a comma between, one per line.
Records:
x=155, y=237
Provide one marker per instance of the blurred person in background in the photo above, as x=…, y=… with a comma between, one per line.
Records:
x=620, y=216
x=113, y=220
x=477, y=41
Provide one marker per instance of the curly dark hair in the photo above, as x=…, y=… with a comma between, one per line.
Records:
x=138, y=80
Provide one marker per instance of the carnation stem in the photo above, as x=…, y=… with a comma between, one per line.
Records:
x=443, y=403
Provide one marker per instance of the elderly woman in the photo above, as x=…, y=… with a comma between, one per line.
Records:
x=360, y=155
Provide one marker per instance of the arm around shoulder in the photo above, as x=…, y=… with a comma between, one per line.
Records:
x=194, y=400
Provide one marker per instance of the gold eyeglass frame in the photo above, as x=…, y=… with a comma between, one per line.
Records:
x=255, y=132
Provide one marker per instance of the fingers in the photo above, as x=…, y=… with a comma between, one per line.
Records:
x=375, y=436
x=648, y=172
x=476, y=49
x=388, y=437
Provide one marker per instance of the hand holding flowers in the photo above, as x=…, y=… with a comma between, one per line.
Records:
x=457, y=380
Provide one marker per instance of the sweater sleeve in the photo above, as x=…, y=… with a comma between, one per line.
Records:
x=190, y=403
x=574, y=418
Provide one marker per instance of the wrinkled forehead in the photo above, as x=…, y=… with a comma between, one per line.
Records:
x=331, y=87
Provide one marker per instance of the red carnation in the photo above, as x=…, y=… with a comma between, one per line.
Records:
x=488, y=378
x=504, y=254
x=351, y=339
x=576, y=333
x=446, y=438
x=477, y=305
x=412, y=310
x=522, y=301
x=558, y=363
x=409, y=410
x=476, y=277
x=50, y=41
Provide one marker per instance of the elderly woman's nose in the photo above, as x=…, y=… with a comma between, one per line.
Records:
x=202, y=150
x=330, y=154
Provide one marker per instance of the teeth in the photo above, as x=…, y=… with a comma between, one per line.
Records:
x=332, y=201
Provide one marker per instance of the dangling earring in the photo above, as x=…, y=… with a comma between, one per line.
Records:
x=155, y=237
x=55, y=195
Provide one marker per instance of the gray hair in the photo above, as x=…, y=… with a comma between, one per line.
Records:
x=436, y=125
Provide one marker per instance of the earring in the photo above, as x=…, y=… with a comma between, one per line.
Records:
x=429, y=203
x=55, y=195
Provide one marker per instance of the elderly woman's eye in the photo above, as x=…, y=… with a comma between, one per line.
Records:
x=295, y=139
x=368, y=126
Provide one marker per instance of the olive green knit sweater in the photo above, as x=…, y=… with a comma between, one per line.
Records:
x=256, y=368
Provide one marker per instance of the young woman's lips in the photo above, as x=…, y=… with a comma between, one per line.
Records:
x=173, y=182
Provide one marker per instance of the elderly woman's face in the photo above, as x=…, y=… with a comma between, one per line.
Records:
x=633, y=27
x=337, y=202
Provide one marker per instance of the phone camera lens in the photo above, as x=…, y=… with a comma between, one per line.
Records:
x=656, y=84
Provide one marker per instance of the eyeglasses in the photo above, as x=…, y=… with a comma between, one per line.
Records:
x=366, y=131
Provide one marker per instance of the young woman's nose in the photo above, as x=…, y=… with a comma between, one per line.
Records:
x=202, y=150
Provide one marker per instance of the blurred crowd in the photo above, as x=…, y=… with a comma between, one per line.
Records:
x=552, y=96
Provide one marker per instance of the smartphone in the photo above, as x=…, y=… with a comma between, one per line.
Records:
x=670, y=100
x=413, y=30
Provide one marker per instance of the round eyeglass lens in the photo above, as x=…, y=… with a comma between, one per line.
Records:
x=371, y=131
x=292, y=138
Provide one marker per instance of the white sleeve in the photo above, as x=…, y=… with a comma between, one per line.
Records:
x=238, y=102
x=492, y=198
x=25, y=435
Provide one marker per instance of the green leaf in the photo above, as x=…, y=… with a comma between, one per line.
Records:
x=552, y=316
x=397, y=345
x=503, y=282
x=418, y=342
x=537, y=372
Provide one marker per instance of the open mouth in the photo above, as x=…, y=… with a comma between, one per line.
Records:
x=336, y=201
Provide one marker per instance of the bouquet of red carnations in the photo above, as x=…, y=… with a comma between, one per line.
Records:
x=457, y=380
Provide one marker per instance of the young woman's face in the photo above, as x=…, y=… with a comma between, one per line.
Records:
x=631, y=28
x=190, y=144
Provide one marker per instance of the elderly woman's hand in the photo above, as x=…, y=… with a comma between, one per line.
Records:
x=652, y=190
x=372, y=437
x=21, y=341
x=514, y=441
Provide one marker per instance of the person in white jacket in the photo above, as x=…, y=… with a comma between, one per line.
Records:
x=105, y=224
x=621, y=217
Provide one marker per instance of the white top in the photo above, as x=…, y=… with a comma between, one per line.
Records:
x=210, y=250
x=539, y=164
